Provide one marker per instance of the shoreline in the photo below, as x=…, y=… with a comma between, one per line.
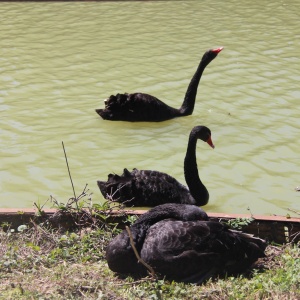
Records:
x=278, y=229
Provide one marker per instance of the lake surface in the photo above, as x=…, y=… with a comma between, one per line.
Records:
x=60, y=60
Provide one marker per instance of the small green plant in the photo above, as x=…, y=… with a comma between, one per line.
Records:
x=5, y=225
x=238, y=223
x=131, y=219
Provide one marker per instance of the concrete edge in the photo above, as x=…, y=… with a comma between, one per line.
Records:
x=14, y=212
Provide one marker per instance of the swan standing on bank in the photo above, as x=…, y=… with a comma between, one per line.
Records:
x=151, y=188
x=143, y=107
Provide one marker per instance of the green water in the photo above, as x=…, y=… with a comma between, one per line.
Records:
x=60, y=60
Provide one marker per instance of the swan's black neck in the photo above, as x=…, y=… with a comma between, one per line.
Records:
x=184, y=212
x=188, y=104
x=196, y=187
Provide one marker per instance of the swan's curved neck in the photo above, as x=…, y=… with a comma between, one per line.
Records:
x=188, y=104
x=196, y=187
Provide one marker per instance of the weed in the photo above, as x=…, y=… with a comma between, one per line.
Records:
x=238, y=223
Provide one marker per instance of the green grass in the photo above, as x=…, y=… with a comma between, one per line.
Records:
x=43, y=263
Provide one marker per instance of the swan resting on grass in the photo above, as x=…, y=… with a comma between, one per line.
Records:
x=179, y=242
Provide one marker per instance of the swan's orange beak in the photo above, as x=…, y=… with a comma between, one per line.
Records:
x=218, y=50
x=210, y=143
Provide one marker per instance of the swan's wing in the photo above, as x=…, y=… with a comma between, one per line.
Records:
x=144, y=188
x=152, y=188
x=194, y=251
x=136, y=107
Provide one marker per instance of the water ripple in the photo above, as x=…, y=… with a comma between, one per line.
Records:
x=55, y=75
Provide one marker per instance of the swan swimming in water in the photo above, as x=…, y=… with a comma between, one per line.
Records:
x=151, y=188
x=179, y=242
x=143, y=107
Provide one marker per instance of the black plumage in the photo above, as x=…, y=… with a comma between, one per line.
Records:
x=179, y=242
x=143, y=107
x=151, y=188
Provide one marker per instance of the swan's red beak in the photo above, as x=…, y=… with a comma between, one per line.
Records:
x=210, y=143
x=217, y=50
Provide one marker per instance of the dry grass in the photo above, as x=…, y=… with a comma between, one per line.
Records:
x=43, y=263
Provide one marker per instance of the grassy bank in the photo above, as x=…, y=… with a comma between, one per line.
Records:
x=43, y=263
x=63, y=257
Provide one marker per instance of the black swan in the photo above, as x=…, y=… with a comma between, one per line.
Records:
x=139, y=107
x=179, y=242
x=151, y=188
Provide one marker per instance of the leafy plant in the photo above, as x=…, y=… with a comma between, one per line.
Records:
x=238, y=223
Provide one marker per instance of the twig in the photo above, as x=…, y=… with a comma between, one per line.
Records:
x=250, y=212
x=150, y=269
x=295, y=236
x=69, y=170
